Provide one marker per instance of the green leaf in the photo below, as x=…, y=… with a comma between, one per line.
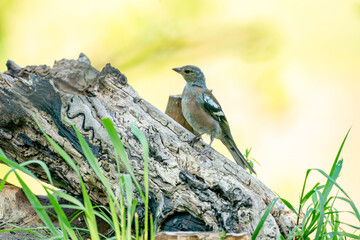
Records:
x=29, y=230
x=263, y=218
x=338, y=154
x=343, y=234
x=321, y=216
x=289, y=205
x=128, y=193
x=37, y=206
x=64, y=222
x=332, y=181
x=136, y=226
x=17, y=166
x=68, y=198
x=334, y=174
x=145, y=146
x=42, y=165
x=3, y=181
x=90, y=219
x=115, y=220
x=120, y=150
x=2, y=154
x=351, y=203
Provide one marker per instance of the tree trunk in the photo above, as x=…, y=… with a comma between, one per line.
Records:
x=193, y=192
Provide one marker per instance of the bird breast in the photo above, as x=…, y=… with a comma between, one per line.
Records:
x=198, y=118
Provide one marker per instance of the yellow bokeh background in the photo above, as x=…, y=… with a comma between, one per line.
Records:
x=286, y=72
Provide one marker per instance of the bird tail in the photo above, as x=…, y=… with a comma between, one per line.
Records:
x=235, y=152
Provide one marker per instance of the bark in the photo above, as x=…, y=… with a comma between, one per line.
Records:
x=199, y=236
x=15, y=208
x=193, y=192
x=173, y=109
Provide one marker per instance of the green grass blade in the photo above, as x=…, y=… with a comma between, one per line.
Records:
x=64, y=222
x=63, y=154
x=301, y=202
x=334, y=216
x=17, y=166
x=152, y=231
x=95, y=166
x=37, y=206
x=289, y=205
x=127, y=183
x=42, y=165
x=136, y=226
x=120, y=151
x=351, y=203
x=90, y=219
x=294, y=232
x=68, y=198
x=145, y=146
x=69, y=206
x=264, y=217
x=332, y=180
x=115, y=219
x=309, y=194
x=320, y=209
x=357, y=228
x=133, y=207
x=306, y=219
x=338, y=154
x=59, y=150
x=29, y=230
x=3, y=181
x=2, y=154
x=75, y=215
x=345, y=234
x=101, y=215
x=334, y=174
x=122, y=207
x=314, y=198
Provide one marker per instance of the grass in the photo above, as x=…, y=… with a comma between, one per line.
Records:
x=250, y=160
x=121, y=211
x=317, y=215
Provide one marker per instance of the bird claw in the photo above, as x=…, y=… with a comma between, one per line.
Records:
x=194, y=140
x=206, y=151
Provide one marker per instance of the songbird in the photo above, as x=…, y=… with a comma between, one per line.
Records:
x=204, y=114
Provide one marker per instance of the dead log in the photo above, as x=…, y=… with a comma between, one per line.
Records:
x=16, y=209
x=193, y=192
x=199, y=236
x=173, y=109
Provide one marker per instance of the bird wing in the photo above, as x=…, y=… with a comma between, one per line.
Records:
x=212, y=106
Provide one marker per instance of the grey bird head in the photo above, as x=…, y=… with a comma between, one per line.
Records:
x=191, y=74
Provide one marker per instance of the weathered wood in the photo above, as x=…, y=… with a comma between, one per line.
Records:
x=16, y=209
x=199, y=236
x=211, y=191
x=173, y=110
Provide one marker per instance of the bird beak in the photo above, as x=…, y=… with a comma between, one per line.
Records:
x=178, y=70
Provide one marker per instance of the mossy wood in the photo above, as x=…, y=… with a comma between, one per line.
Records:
x=191, y=191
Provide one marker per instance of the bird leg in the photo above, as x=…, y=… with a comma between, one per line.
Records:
x=207, y=150
x=195, y=139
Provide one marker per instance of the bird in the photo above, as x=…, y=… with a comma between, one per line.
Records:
x=204, y=114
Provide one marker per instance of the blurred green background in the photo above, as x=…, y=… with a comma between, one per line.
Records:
x=286, y=72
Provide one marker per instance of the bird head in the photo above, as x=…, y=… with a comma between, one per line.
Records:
x=191, y=73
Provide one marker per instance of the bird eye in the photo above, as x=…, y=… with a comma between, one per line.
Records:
x=186, y=70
